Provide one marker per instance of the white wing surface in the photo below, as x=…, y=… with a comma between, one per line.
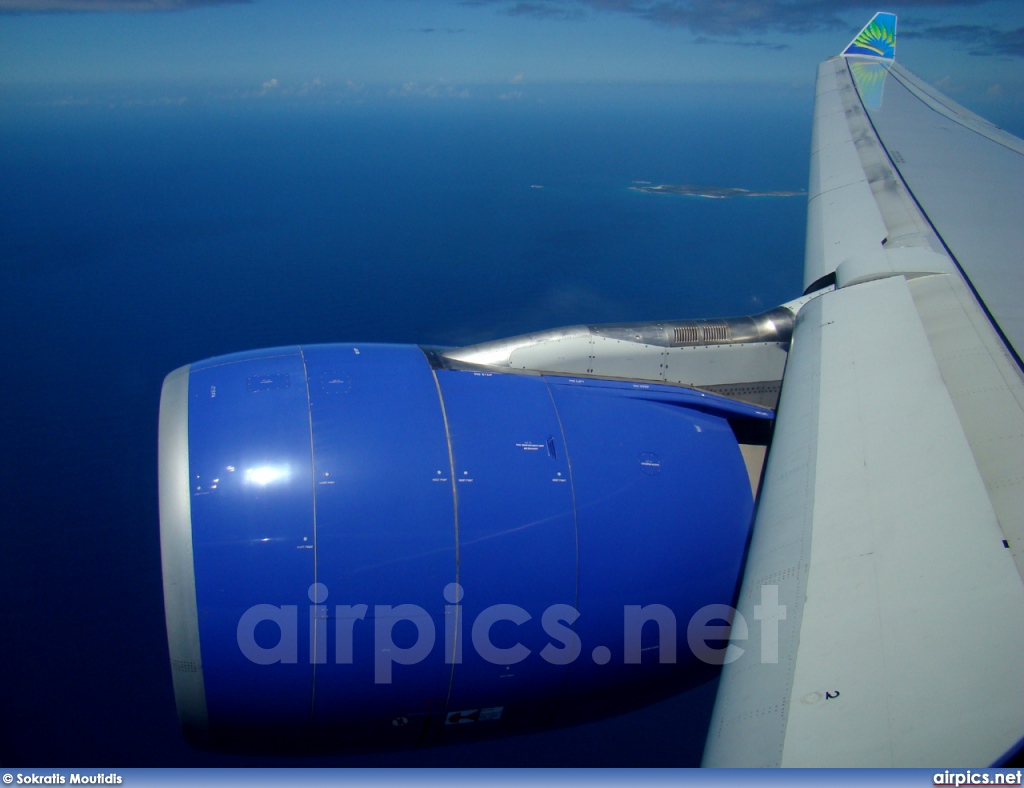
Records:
x=891, y=517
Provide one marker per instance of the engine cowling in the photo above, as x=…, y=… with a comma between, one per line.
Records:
x=364, y=549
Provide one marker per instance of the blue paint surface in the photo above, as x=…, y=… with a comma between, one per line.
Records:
x=252, y=527
x=453, y=554
x=517, y=540
x=385, y=531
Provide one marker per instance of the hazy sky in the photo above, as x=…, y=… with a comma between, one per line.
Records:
x=448, y=48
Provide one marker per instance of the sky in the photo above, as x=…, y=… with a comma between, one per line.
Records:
x=179, y=51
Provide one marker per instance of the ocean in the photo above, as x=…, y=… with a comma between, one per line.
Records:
x=140, y=236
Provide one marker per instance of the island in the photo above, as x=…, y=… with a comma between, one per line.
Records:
x=711, y=192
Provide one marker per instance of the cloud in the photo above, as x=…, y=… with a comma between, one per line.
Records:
x=517, y=79
x=947, y=86
x=116, y=102
x=979, y=39
x=734, y=17
x=274, y=88
x=547, y=10
x=436, y=90
x=729, y=17
x=81, y=6
x=314, y=86
x=758, y=43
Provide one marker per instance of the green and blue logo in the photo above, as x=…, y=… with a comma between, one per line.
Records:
x=877, y=39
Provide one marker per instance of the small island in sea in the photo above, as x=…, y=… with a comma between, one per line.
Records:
x=712, y=192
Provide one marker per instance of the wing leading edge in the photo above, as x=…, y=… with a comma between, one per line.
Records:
x=891, y=516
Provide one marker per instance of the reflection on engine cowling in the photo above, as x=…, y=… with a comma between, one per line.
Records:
x=363, y=549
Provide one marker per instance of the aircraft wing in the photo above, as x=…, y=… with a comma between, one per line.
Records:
x=883, y=585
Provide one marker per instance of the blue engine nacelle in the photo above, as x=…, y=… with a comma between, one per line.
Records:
x=362, y=548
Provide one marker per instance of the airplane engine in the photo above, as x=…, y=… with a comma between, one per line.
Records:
x=363, y=547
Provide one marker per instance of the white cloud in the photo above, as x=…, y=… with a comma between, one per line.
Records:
x=115, y=102
x=49, y=6
x=946, y=85
x=436, y=90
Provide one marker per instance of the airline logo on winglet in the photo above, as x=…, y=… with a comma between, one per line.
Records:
x=877, y=39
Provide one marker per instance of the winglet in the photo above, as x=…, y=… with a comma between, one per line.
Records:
x=877, y=39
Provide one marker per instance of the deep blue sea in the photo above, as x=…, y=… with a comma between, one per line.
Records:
x=135, y=239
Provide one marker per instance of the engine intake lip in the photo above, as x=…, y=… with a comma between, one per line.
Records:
x=180, y=608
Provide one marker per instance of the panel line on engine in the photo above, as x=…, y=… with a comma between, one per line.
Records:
x=575, y=518
x=312, y=480
x=455, y=517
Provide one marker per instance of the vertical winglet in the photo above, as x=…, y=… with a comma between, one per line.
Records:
x=877, y=39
